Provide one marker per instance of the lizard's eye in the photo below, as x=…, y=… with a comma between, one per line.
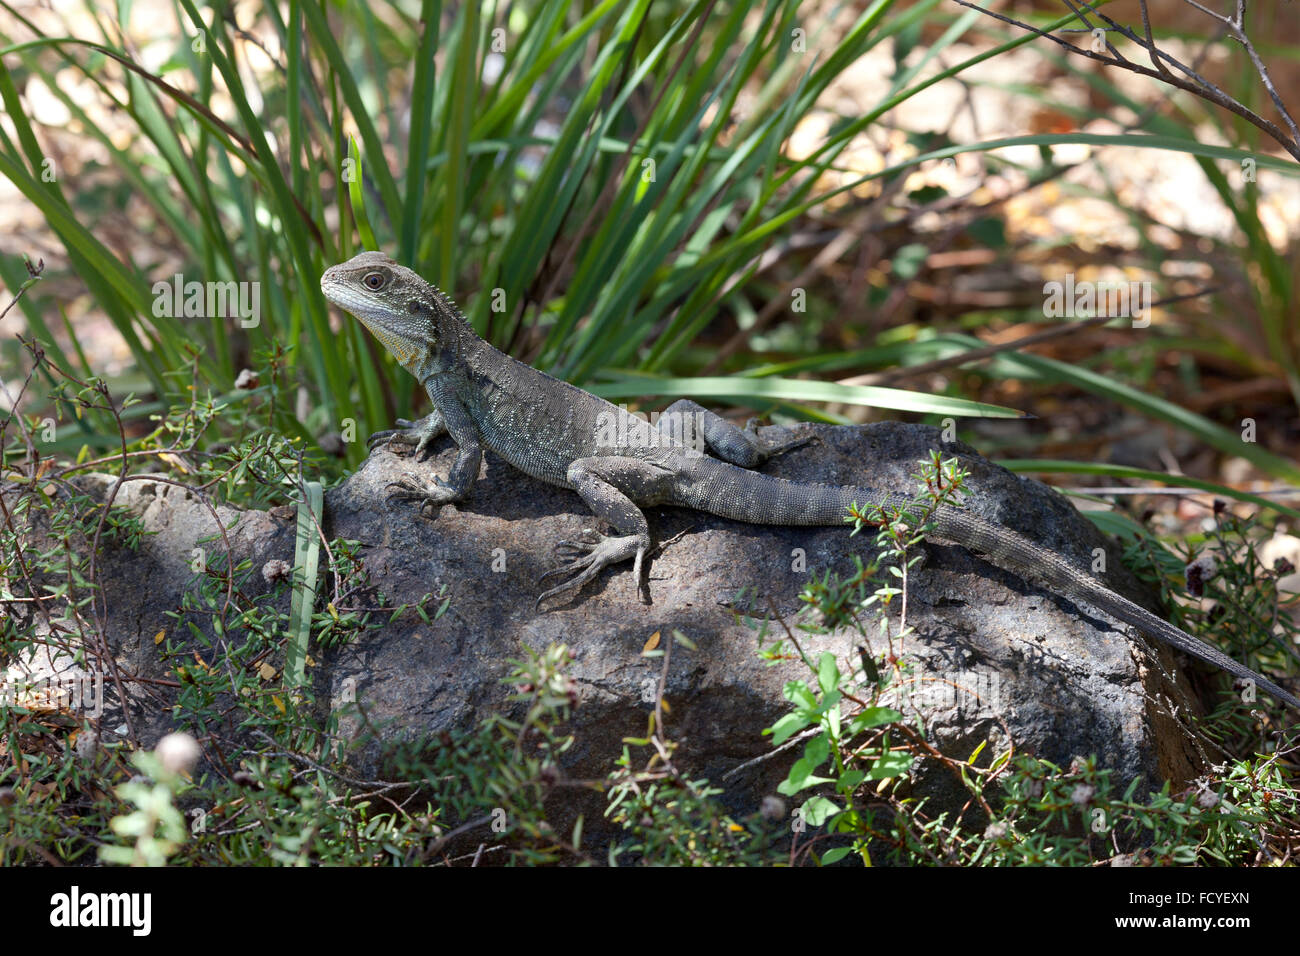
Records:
x=374, y=281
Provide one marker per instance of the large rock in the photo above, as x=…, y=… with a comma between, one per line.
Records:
x=1061, y=680
x=995, y=655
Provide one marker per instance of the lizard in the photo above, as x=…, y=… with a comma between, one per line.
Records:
x=619, y=463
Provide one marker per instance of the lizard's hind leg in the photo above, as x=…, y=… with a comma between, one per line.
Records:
x=698, y=428
x=612, y=488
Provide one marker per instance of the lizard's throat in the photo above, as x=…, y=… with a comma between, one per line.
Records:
x=407, y=352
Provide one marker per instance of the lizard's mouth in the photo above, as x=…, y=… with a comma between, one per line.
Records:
x=327, y=282
x=337, y=292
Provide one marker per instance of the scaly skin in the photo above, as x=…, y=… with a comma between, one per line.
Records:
x=620, y=464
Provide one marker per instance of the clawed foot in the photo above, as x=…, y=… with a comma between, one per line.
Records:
x=420, y=433
x=586, y=559
x=433, y=493
x=751, y=429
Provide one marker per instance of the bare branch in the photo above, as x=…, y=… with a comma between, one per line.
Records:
x=1194, y=83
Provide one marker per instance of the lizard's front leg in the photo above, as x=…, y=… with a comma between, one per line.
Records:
x=612, y=488
x=436, y=492
x=421, y=434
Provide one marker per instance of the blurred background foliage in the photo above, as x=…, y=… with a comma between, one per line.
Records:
x=650, y=199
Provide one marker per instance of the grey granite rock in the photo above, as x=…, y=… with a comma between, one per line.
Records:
x=995, y=657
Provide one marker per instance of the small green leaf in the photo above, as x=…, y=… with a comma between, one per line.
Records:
x=817, y=750
x=683, y=641
x=873, y=717
x=849, y=780
x=828, y=674
x=786, y=727
x=890, y=765
x=909, y=259
x=835, y=855
x=801, y=778
x=816, y=810
x=988, y=232
x=797, y=692
x=927, y=194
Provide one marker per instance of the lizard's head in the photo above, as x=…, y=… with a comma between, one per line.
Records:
x=400, y=308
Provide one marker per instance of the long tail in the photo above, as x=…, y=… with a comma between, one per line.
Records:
x=743, y=495
x=1018, y=554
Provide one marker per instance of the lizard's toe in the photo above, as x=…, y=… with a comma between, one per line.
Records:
x=572, y=550
x=424, y=448
x=401, y=435
x=589, y=559
x=791, y=445
x=570, y=567
x=408, y=488
x=416, y=437
x=574, y=583
x=432, y=494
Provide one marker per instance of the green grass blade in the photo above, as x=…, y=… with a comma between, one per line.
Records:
x=306, y=566
x=1058, y=466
